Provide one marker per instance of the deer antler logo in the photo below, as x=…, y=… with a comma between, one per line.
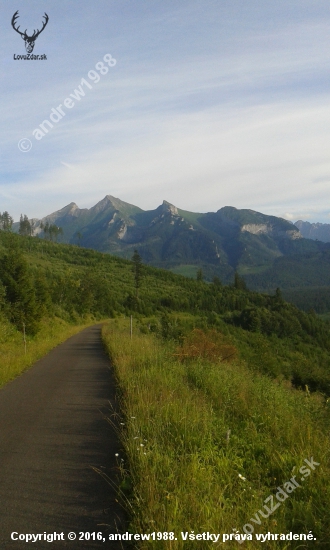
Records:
x=29, y=40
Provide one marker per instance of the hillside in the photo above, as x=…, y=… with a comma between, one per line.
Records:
x=41, y=279
x=269, y=252
x=208, y=441
x=215, y=384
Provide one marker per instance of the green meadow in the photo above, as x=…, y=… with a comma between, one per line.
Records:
x=208, y=441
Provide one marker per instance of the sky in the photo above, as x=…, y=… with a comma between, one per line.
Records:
x=204, y=104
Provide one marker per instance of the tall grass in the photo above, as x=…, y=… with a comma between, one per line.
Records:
x=207, y=441
x=14, y=360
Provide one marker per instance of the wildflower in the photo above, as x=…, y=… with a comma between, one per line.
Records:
x=117, y=454
x=241, y=477
x=141, y=445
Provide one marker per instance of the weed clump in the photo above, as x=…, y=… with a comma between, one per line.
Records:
x=211, y=345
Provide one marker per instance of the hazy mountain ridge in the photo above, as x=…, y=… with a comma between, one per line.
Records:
x=266, y=250
x=316, y=231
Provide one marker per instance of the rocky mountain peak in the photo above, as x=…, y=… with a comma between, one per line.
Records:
x=167, y=207
x=69, y=210
x=104, y=204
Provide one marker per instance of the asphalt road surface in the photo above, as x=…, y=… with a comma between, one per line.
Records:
x=53, y=432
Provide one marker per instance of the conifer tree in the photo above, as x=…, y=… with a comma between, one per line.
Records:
x=19, y=291
x=199, y=275
x=137, y=271
x=239, y=282
x=6, y=221
x=25, y=227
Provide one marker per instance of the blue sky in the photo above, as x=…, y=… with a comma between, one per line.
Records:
x=210, y=104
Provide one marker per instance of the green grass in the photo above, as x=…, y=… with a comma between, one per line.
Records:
x=185, y=270
x=14, y=360
x=206, y=442
x=247, y=270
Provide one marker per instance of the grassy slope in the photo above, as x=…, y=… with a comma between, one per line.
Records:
x=13, y=358
x=189, y=476
x=206, y=442
x=68, y=269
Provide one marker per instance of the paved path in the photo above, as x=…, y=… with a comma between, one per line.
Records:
x=52, y=433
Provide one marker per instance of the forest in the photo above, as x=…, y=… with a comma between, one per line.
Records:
x=42, y=279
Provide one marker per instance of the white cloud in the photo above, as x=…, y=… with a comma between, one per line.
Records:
x=263, y=158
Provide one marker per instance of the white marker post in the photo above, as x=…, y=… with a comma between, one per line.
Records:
x=24, y=338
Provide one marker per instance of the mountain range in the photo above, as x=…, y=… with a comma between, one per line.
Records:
x=266, y=250
x=315, y=231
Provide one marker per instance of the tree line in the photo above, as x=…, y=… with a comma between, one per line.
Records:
x=27, y=227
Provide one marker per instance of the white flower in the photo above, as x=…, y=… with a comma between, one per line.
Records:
x=117, y=454
x=241, y=477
